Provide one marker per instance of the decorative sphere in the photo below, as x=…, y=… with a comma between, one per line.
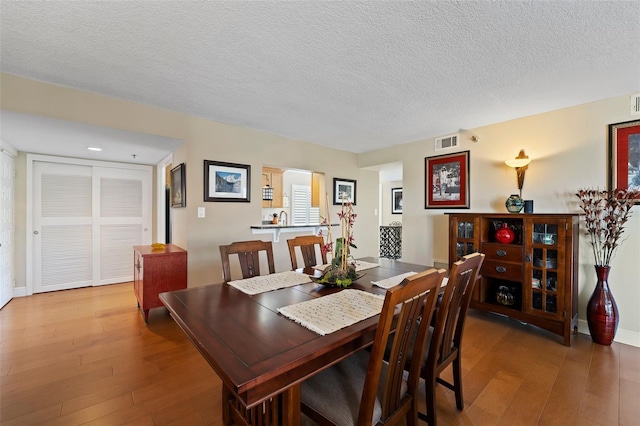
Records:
x=505, y=235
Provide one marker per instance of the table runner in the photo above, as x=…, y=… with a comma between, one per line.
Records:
x=387, y=283
x=264, y=283
x=361, y=265
x=331, y=313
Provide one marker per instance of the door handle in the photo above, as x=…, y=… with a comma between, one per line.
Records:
x=501, y=252
x=35, y=232
x=501, y=269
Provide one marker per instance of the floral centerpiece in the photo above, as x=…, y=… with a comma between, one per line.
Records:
x=606, y=213
x=342, y=270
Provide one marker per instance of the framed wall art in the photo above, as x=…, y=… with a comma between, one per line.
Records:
x=447, y=181
x=624, y=156
x=178, y=187
x=344, y=189
x=227, y=181
x=396, y=200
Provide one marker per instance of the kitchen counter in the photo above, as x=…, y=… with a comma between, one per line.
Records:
x=276, y=230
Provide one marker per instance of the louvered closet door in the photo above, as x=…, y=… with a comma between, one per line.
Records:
x=86, y=220
x=124, y=220
x=62, y=226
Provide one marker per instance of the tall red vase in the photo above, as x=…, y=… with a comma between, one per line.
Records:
x=602, y=311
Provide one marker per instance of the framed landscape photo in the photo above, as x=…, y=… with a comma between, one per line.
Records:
x=624, y=156
x=344, y=189
x=396, y=200
x=227, y=181
x=447, y=181
x=178, y=187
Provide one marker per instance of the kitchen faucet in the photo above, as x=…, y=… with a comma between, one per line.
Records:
x=283, y=223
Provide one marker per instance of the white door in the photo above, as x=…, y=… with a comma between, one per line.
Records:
x=85, y=221
x=122, y=220
x=7, y=227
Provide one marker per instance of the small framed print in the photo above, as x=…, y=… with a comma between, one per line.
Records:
x=178, y=187
x=344, y=190
x=447, y=181
x=624, y=156
x=227, y=182
x=396, y=200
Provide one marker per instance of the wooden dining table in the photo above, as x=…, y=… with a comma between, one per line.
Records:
x=257, y=352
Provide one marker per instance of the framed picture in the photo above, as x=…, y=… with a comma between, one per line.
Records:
x=396, y=200
x=624, y=156
x=227, y=181
x=447, y=181
x=344, y=189
x=178, y=187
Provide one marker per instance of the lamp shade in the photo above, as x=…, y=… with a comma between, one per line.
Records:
x=267, y=193
x=520, y=161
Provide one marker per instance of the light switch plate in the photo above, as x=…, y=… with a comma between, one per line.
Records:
x=200, y=211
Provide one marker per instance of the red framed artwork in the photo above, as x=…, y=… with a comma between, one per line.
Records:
x=624, y=156
x=447, y=181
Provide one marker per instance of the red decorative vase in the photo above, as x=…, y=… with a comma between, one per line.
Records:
x=505, y=235
x=602, y=311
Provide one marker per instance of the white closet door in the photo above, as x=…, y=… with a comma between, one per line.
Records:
x=7, y=227
x=62, y=226
x=86, y=220
x=123, y=220
x=301, y=203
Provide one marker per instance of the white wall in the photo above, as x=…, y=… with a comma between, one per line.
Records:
x=568, y=149
x=386, y=202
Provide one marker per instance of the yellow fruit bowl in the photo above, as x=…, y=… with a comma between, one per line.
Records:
x=158, y=246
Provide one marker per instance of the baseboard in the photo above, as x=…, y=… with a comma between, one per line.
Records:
x=626, y=337
x=19, y=292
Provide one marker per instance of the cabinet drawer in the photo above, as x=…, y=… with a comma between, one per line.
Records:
x=502, y=252
x=502, y=270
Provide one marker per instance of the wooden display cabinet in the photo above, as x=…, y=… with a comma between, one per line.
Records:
x=157, y=271
x=533, y=279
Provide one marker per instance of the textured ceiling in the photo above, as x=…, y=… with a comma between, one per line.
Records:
x=354, y=75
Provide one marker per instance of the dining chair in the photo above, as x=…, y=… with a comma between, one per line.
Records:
x=249, y=256
x=233, y=411
x=363, y=389
x=307, y=244
x=445, y=336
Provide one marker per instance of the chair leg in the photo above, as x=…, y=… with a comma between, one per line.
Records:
x=430, y=401
x=457, y=382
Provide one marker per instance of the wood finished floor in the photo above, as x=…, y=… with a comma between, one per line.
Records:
x=86, y=357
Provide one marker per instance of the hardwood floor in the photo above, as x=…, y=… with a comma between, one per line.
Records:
x=86, y=357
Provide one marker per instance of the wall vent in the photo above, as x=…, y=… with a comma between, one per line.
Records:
x=447, y=142
x=635, y=104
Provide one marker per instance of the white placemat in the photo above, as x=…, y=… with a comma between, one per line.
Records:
x=264, y=283
x=335, y=311
x=387, y=283
x=360, y=265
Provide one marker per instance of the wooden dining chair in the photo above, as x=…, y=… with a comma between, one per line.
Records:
x=363, y=389
x=445, y=340
x=307, y=244
x=249, y=256
x=233, y=411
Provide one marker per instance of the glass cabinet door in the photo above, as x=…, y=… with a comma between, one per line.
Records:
x=465, y=235
x=545, y=281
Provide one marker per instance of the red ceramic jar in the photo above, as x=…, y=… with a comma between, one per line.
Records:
x=505, y=235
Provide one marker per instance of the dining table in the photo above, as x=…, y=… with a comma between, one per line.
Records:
x=257, y=352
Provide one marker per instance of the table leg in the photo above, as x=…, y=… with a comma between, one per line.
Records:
x=291, y=406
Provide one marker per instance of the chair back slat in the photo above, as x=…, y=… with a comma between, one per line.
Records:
x=248, y=253
x=308, y=245
x=416, y=297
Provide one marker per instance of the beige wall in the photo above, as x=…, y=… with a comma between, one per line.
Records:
x=568, y=151
x=204, y=139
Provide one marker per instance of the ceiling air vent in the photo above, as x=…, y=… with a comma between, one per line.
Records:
x=447, y=142
x=635, y=104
